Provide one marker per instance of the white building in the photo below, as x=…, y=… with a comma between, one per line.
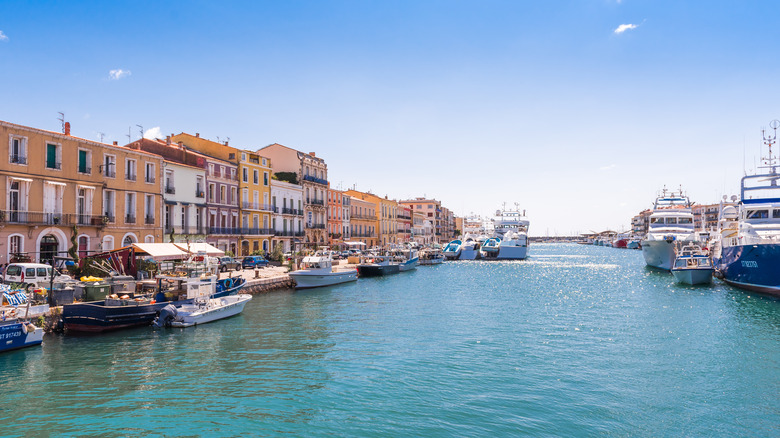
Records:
x=184, y=214
x=287, y=218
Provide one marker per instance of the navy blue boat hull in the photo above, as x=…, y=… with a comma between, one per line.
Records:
x=751, y=267
x=377, y=270
x=12, y=337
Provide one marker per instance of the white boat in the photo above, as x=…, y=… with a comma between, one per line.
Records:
x=208, y=310
x=406, y=258
x=452, y=250
x=512, y=227
x=431, y=256
x=469, y=250
x=692, y=265
x=671, y=223
x=318, y=271
x=489, y=250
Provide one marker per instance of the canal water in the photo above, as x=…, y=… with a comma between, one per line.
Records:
x=575, y=341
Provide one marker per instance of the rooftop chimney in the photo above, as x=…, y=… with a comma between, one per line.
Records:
x=116, y=143
x=181, y=145
x=226, y=143
x=168, y=140
x=312, y=154
x=67, y=128
x=197, y=134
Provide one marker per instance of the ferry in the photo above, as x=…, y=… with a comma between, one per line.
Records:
x=512, y=227
x=747, y=248
x=671, y=224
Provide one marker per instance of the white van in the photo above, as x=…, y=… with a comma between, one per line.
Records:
x=31, y=273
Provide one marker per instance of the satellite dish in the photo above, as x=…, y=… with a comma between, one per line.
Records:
x=725, y=197
x=734, y=198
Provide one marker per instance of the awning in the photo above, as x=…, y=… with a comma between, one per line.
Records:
x=21, y=179
x=86, y=187
x=160, y=251
x=197, y=247
x=354, y=243
x=55, y=183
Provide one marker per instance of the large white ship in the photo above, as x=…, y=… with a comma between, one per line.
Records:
x=671, y=223
x=511, y=226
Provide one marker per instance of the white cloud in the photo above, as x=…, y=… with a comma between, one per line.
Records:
x=153, y=133
x=118, y=74
x=624, y=27
x=610, y=167
x=3, y=37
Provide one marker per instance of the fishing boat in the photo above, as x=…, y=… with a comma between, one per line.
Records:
x=747, y=246
x=511, y=226
x=469, y=250
x=131, y=309
x=490, y=249
x=202, y=310
x=452, y=250
x=377, y=266
x=407, y=258
x=692, y=265
x=16, y=330
x=317, y=271
x=431, y=256
x=671, y=223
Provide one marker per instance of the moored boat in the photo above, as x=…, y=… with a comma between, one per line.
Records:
x=16, y=330
x=490, y=249
x=692, y=265
x=202, y=311
x=407, y=259
x=511, y=226
x=671, y=223
x=469, y=250
x=431, y=256
x=317, y=271
x=452, y=250
x=377, y=266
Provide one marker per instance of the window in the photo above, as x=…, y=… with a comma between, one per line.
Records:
x=109, y=166
x=212, y=188
x=17, y=149
x=199, y=186
x=265, y=162
x=684, y=220
x=256, y=176
x=265, y=178
x=776, y=213
x=109, y=199
x=15, y=245
x=53, y=156
x=129, y=208
x=149, y=210
x=222, y=197
x=758, y=214
x=233, y=196
x=130, y=170
x=149, y=174
x=85, y=161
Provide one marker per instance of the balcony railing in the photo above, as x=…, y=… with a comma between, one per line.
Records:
x=170, y=190
x=150, y=179
x=54, y=165
x=188, y=229
x=250, y=205
x=90, y=220
x=130, y=176
x=316, y=226
x=315, y=202
x=286, y=210
x=149, y=220
x=363, y=234
x=129, y=219
x=363, y=216
x=315, y=179
x=85, y=170
x=267, y=207
x=335, y=235
x=17, y=159
x=200, y=193
x=241, y=231
x=109, y=218
x=288, y=233
x=111, y=173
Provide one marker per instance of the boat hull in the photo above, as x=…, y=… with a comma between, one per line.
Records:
x=468, y=254
x=658, y=253
x=693, y=276
x=377, y=270
x=424, y=262
x=95, y=316
x=751, y=267
x=512, y=252
x=408, y=265
x=230, y=306
x=17, y=335
x=304, y=280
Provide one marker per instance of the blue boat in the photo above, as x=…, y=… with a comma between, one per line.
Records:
x=747, y=247
x=15, y=330
x=131, y=310
x=490, y=249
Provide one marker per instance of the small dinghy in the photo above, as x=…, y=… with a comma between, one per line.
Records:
x=692, y=265
x=202, y=311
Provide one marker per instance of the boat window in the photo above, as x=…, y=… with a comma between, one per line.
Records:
x=671, y=220
x=684, y=220
x=757, y=214
x=776, y=213
x=679, y=263
x=656, y=220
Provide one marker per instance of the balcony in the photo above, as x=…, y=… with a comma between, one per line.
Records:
x=150, y=179
x=315, y=202
x=292, y=211
x=267, y=207
x=109, y=218
x=200, y=193
x=315, y=180
x=234, y=231
x=17, y=159
x=41, y=218
x=363, y=235
x=287, y=233
x=316, y=226
x=129, y=219
x=334, y=235
x=363, y=216
x=90, y=220
x=131, y=176
x=250, y=205
x=110, y=173
x=149, y=220
x=170, y=190
x=85, y=170
x=57, y=165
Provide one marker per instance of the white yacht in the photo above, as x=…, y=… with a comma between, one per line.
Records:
x=671, y=223
x=452, y=250
x=511, y=226
x=317, y=270
x=469, y=250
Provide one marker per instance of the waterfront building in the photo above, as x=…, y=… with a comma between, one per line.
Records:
x=287, y=221
x=705, y=216
x=432, y=210
x=59, y=186
x=641, y=222
x=312, y=173
x=387, y=216
x=335, y=213
x=345, y=216
x=254, y=192
x=404, y=223
x=363, y=221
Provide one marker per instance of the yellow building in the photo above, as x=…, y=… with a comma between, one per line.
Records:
x=387, y=216
x=59, y=187
x=362, y=221
x=254, y=187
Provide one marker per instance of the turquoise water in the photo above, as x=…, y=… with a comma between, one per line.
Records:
x=575, y=341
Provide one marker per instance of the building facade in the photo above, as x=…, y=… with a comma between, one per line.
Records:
x=432, y=210
x=363, y=221
x=335, y=214
x=60, y=187
x=404, y=223
x=287, y=222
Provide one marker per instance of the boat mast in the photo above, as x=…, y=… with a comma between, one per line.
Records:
x=770, y=161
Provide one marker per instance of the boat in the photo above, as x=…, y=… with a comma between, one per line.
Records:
x=431, y=256
x=512, y=227
x=746, y=250
x=407, y=259
x=452, y=250
x=16, y=330
x=131, y=309
x=634, y=243
x=671, y=223
x=377, y=266
x=202, y=310
x=317, y=271
x=469, y=250
x=490, y=249
x=692, y=265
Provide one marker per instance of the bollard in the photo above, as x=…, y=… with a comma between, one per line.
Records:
x=257, y=272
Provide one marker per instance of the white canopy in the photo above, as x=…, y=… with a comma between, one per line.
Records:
x=197, y=247
x=354, y=244
x=161, y=251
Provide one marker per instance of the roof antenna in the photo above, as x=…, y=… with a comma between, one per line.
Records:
x=769, y=141
x=141, y=128
x=62, y=121
x=128, y=135
x=101, y=135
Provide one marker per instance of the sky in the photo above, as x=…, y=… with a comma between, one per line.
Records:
x=578, y=111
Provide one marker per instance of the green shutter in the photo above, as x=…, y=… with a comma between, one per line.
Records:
x=83, y=161
x=51, y=156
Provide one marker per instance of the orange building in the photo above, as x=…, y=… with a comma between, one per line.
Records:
x=335, y=216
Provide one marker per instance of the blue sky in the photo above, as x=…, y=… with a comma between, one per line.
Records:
x=474, y=103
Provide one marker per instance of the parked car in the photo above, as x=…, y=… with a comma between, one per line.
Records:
x=344, y=254
x=226, y=263
x=32, y=273
x=251, y=262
